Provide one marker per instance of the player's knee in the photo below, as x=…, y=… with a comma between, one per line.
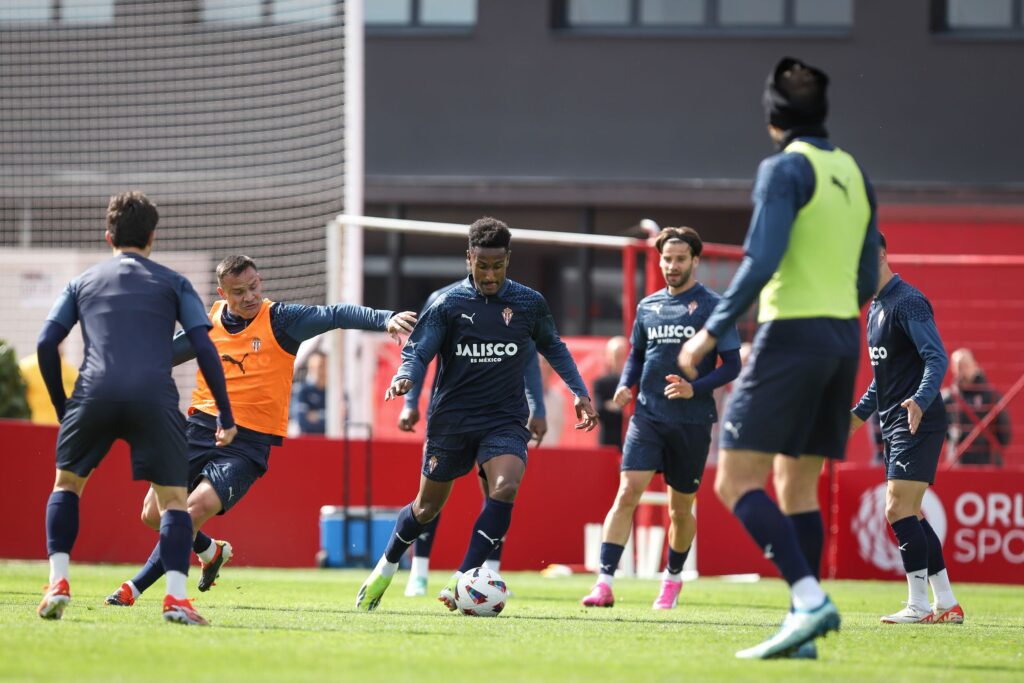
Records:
x=202, y=509
x=629, y=494
x=897, y=508
x=505, y=489
x=680, y=518
x=150, y=515
x=425, y=511
x=726, y=492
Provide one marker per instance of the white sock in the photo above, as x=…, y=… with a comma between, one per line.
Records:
x=807, y=594
x=59, y=565
x=135, y=591
x=669, y=576
x=493, y=565
x=606, y=579
x=420, y=566
x=176, y=585
x=208, y=554
x=386, y=568
x=917, y=583
x=943, y=591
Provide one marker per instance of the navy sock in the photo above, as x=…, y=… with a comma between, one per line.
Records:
x=61, y=522
x=407, y=530
x=496, y=553
x=676, y=560
x=488, y=532
x=611, y=553
x=912, y=542
x=201, y=542
x=425, y=541
x=936, y=563
x=150, y=572
x=774, y=533
x=175, y=540
x=810, y=533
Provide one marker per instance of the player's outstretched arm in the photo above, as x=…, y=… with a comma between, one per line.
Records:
x=48, y=353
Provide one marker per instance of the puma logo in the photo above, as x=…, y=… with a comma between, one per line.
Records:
x=842, y=186
x=469, y=318
x=768, y=554
x=732, y=429
x=495, y=542
x=897, y=462
x=231, y=360
x=231, y=492
x=903, y=547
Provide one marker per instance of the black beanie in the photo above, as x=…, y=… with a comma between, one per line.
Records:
x=794, y=95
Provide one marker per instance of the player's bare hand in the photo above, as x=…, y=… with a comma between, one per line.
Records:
x=401, y=323
x=408, y=419
x=398, y=388
x=585, y=414
x=623, y=395
x=538, y=427
x=222, y=437
x=855, y=424
x=693, y=352
x=677, y=387
x=914, y=414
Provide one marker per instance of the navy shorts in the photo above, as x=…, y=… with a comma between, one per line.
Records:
x=447, y=457
x=791, y=403
x=231, y=469
x=678, y=450
x=155, y=433
x=913, y=457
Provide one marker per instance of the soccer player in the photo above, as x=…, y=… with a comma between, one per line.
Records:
x=909, y=363
x=811, y=252
x=257, y=340
x=671, y=429
x=410, y=415
x=478, y=409
x=127, y=306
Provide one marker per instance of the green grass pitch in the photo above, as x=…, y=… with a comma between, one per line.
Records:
x=300, y=625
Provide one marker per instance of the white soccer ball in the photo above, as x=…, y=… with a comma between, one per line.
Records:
x=481, y=592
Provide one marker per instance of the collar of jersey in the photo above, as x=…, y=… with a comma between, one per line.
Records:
x=468, y=282
x=889, y=286
x=687, y=293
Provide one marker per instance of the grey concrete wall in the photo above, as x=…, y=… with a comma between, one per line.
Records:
x=517, y=98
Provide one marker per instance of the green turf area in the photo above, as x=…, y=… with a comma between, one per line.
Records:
x=286, y=625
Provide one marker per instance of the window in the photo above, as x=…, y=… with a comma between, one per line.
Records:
x=722, y=15
x=64, y=11
x=420, y=13
x=978, y=16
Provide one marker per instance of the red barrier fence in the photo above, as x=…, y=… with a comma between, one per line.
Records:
x=978, y=511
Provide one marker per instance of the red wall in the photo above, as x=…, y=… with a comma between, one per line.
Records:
x=277, y=524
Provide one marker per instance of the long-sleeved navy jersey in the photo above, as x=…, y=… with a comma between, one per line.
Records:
x=482, y=343
x=663, y=323
x=908, y=360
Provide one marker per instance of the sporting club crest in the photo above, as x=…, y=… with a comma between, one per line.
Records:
x=507, y=315
x=691, y=307
x=257, y=344
x=432, y=464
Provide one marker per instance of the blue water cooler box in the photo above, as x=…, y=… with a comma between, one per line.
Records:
x=332, y=535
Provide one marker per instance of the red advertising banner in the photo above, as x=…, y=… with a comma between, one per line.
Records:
x=588, y=352
x=977, y=512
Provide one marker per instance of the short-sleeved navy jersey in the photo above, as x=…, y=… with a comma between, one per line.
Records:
x=663, y=323
x=907, y=358
x=127, y=306
x=482, y=344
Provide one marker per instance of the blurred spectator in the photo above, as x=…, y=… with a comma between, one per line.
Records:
x=311, y=396
x=39, y=403
x=968, y=400
x=609, y=413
